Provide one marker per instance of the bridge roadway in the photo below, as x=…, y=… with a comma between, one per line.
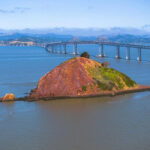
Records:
x=99, y=43
x=50, y=47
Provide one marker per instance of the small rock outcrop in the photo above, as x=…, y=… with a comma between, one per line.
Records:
x=8, y=97
x=80, y=76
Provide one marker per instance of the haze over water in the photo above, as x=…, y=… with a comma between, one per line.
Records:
x=112, y=123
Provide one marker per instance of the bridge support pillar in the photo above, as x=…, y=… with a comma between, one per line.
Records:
x=52, y=49
x=55, y=47
x=49, y=49
x=60, y=49
x=117, y=52
x=65, y=49
x=139, y=54
x=128, y=53
x=75, y=51
x=101, y=50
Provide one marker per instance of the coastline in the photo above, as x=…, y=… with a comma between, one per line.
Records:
x=140, y=88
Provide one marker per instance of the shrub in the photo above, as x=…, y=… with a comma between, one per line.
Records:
x=106, y=85
x=83, y=88
x=85, y=54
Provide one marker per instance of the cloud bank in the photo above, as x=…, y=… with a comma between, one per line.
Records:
x=14, y=10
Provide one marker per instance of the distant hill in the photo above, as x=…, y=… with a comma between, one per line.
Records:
x=43, y=36
x=9, y=39
x=145, y=30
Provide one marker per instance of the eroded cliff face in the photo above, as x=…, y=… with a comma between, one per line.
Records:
x=80, y=77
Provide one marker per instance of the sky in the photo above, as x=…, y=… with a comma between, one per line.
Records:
x=20, y=14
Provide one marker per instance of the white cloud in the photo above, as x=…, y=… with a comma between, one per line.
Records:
x=14, y=10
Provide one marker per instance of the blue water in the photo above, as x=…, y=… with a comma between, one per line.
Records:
x=110, y=123
x=22, y=67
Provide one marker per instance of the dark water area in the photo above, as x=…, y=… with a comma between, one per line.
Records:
x=110, y=123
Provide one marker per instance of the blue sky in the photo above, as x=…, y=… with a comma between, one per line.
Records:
x=19, y=14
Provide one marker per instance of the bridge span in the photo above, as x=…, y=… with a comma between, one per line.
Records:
x=51, y=47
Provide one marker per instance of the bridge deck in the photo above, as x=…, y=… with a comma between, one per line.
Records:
x=100, y=43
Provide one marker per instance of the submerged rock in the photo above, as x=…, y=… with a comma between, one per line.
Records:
x=8, y=97
x=80, y=76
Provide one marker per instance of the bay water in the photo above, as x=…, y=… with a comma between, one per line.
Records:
x=109, y=123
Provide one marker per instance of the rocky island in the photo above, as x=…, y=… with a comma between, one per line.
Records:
x=82, y=77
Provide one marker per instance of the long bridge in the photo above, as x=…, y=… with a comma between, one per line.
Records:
x=51, y=47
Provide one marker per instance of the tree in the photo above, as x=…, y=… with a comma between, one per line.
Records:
x=85, y=54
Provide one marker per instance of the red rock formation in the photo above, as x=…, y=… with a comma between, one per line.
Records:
x=64, y=80
x=8, y=97
x=78, y=76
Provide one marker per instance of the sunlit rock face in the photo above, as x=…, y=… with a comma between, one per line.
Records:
x=80, y=76
x=8, y=97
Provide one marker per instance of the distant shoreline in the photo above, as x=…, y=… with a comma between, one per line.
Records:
x=22, y=46
x=140, y=88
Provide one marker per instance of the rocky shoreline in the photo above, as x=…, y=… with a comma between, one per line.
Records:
x=80, y=77
x=140, y=88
